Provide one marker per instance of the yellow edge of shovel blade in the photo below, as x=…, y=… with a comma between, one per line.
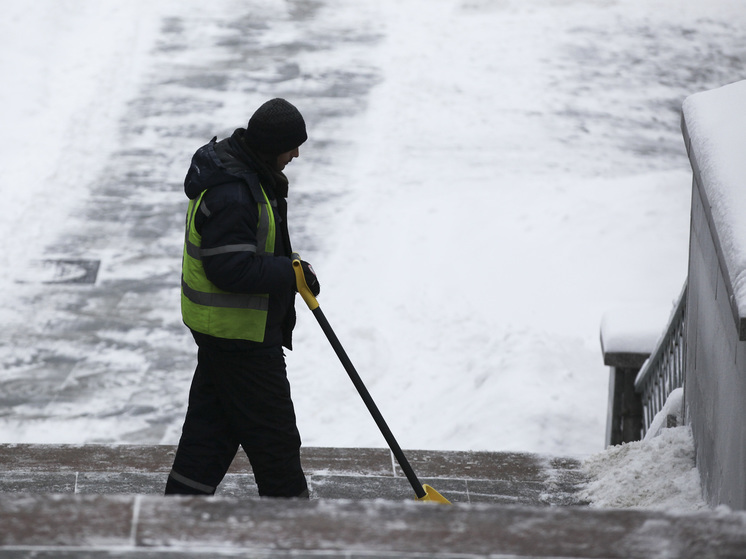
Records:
x=432, y=495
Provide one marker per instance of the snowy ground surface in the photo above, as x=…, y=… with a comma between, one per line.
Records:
x=484, y=179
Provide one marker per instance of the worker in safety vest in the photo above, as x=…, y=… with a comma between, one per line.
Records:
x=237, y=298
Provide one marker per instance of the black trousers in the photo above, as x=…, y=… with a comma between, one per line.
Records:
x=239, y=398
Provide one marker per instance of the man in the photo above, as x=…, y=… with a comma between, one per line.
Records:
x=238, y=291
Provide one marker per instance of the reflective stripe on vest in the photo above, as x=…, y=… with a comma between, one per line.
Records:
x=210, y=310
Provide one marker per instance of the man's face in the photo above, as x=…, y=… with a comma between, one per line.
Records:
x=285, y=158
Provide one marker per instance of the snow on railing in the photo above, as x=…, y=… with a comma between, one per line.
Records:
x=663, y=372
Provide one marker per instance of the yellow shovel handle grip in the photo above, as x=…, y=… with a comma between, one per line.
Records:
x=300, y=283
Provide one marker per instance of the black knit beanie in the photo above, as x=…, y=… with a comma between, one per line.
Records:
x=276, y=127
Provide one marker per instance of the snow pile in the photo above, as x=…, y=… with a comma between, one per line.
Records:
x=672, y=408
x=658, y=472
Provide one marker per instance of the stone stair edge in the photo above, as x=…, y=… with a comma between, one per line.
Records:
x=103, y=457
x=375, y=527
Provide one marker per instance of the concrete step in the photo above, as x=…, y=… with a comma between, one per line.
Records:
x=333, y=473
x=98, y=501
x=142, y=526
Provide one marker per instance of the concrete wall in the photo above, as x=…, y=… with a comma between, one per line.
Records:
x=715, y=382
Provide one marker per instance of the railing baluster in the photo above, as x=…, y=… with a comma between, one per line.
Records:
x=663, y=372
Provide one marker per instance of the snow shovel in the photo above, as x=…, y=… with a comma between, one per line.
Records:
x=423, y=492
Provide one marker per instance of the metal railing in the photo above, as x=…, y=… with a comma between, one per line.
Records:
x=663, y=372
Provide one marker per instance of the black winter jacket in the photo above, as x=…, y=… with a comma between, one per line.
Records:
x=226, y=172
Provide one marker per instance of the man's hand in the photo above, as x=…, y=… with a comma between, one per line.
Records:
x=311, y=280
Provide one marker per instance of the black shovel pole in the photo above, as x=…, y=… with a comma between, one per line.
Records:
x=371, y=405
x=313, y=304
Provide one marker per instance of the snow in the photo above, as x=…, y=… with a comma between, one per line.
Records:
x=658, y=472
x=631, y=329
x=718, y=134
x=673, y=407
x=61, y=112
x=517, y=171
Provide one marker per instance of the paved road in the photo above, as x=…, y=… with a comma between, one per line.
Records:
x=103, y=356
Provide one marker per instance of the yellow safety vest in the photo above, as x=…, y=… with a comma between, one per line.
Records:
x=210, y=310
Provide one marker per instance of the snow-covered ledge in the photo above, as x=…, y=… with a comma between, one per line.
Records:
x=629, y=335
x=714, y=128
x=628, y=338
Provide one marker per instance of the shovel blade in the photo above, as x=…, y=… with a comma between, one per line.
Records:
x=433, y=496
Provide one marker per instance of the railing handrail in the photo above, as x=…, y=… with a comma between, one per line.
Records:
x=662, y=342
x=664, y=370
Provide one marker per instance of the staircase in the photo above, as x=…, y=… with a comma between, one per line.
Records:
x=97, y=501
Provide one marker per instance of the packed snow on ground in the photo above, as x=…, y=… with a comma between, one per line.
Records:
x=517, y=172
